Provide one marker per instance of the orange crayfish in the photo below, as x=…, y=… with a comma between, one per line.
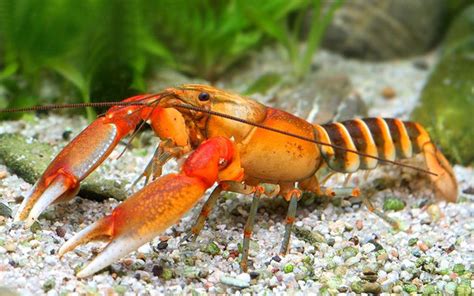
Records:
x=232, y=141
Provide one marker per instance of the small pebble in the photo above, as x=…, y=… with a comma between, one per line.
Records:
x=288, y=268
x=13, y=263
x=343, y=289
x=244, y=277
x=367, y=248
x=373, y=288
x=412, y=241
x=254, y=275
x=127, y=261
x=48, y=285
x=67, y=134
x=167, y=274
x=450, y=288
x=422, y=246
x=410, y=288
x=212, y=249
x=463, y=289
x=50, y=260
x=388, y=92
x=394, y=252
x=331, y=241
x=469, y=190
x=10, y=247
x=61, y=231
x=406, y=276
x=5, y=210
x=349, y=252
x=354, y=240
x=234, y=282
x=397, y=289
x=19, y=199
x=35, y=227
x=357, y=287
x=353, y=260
x=162, y=245
x=157, y=270
x=459, y=268
x=393, y=204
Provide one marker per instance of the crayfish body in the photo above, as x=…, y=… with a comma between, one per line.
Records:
x=236, y=143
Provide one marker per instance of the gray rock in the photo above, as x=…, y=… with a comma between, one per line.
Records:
x=28, y=159
x=385, y=29
x=322, y=97
x=450, y=85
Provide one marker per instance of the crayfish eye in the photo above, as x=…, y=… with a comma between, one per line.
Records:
x=204, y=96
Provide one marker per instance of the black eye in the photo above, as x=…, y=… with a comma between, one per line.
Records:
x=204, y=97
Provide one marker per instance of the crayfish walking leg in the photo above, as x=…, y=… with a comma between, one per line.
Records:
x=294, y=196
x=248, y=229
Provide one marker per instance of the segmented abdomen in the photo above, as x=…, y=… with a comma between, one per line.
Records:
x=386, y=138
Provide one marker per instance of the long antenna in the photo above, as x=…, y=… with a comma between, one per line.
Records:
x=71, y=106
x=227, y=116
x=213, y=113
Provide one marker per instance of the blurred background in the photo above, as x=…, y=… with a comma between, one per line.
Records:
x=60, y=51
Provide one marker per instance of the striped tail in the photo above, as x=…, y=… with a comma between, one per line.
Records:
x=385, y=138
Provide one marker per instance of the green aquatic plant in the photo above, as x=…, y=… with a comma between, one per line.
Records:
x=99, y=47
x=102, y=49
x=283, y=21
x=210, y=36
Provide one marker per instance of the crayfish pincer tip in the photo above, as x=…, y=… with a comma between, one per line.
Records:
x=38, y=200
x=115, y=250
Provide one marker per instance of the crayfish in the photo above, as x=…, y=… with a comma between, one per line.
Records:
x=229, y=140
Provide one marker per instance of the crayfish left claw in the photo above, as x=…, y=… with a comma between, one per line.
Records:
x=78, y=159
x=61, y=180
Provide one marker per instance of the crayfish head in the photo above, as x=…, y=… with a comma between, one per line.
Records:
x=223, y=102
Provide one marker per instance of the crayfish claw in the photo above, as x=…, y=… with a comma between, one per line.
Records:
x=42, y=196
x=138, y=219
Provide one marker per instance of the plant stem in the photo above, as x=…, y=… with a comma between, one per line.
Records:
x=91, y=114
x=318, y=27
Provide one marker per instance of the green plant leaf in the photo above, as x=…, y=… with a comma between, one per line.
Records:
x=9, y=70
